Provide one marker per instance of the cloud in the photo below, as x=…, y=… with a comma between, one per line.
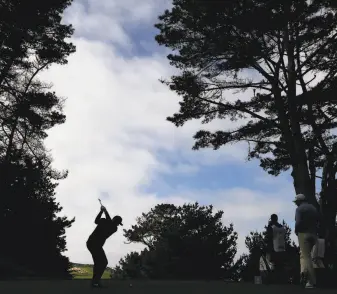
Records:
x=108, y=20
x=116, y=139
x=93, y=26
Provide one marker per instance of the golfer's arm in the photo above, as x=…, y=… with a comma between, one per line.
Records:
x=98, y=217
x=107, y=215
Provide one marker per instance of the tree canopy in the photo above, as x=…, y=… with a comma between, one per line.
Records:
x=182, y=242
x=217, y=43
x=284, y=53
x=33, y=38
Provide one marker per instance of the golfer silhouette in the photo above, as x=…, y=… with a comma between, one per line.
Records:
x=104, y=229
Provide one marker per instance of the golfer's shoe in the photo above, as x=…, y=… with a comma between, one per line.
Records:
x=97, y=285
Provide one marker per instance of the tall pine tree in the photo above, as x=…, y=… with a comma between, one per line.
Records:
x=32, y=38
x=285, y=53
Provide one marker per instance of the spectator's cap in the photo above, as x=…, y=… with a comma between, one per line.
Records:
x=300, y=197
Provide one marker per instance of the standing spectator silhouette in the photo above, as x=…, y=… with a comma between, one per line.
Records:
x=104, y=229
x=276, y=245
x=306, y=221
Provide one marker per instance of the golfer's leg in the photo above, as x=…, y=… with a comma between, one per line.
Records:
x=94, y=255
x=95, y=276
x=101, y=263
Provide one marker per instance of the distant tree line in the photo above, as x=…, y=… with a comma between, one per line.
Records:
x=190, y=242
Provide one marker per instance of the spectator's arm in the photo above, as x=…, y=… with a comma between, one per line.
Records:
x=297, y=220
x=270, y=238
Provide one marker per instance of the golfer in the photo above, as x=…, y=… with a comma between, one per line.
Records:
x=104, y=229
x=306, y=222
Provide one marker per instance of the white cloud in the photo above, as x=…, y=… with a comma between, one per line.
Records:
x=105, y=20
x=127, y=11
x=116, y=126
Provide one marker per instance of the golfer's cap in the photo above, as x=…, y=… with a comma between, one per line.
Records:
x=118, y=219
x=299, y=197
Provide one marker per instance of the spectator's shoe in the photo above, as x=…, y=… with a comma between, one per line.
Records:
x=303, y=279
x=309, y=286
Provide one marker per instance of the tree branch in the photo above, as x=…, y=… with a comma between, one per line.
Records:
x=243, y=109
x=280, y=63
x=311, y=56
x=245, y=86
x=263, y=142
x=34, y=75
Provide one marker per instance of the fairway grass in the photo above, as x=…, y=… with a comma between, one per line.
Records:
x=87, y=273
x=82, y=286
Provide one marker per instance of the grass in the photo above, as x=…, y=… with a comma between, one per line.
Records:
x=84, y=271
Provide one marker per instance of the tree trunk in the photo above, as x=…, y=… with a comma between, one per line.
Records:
x=11, y=139
x=300, y=173
x=328, y=206
x=330, y=228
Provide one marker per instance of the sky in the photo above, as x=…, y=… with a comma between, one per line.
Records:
x=118, y=145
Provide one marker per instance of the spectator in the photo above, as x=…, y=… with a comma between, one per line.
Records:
x=276, y=244
x=317, y=253
x=306, y=220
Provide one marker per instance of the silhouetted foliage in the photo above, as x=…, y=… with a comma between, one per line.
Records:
x=286, y=52
x=237, y=271
x=129, y=267
x=32, y=38
x=183, y=242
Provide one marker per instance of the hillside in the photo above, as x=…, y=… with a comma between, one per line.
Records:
x=84, y=271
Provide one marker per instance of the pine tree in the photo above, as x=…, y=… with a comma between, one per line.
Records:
x=285, y=54
x=182, y=242
x=32, y=38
